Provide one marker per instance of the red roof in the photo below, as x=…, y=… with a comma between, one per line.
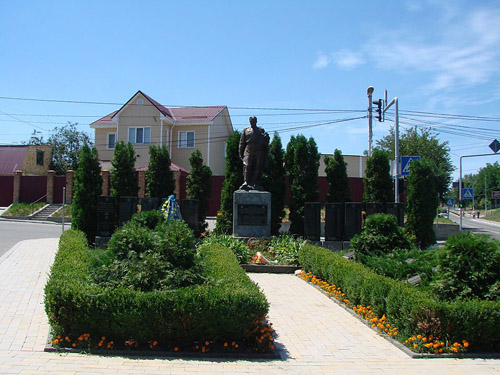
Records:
x=178, y=114
x=12, y=158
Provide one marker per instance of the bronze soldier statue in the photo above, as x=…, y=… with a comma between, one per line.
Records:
x=254, y=143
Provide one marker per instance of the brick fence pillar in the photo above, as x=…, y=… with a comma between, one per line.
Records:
x=141, y=181
x=69, y=186
x=177, y=191
x=50, y=186
x=17, y=186
x=105, y=183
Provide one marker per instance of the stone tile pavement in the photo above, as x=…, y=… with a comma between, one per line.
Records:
x=315, y=335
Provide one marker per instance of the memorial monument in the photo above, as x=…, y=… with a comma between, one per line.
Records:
x=251, y=204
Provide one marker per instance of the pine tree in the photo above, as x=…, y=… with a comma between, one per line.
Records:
x=159, y=177
x=123, y=179
x=378, y=180
x=338, y=182
x=233, y=180
x=422, y=203
x=87, y=189
x=273, y=180
x=302, y=163
x=199, y=186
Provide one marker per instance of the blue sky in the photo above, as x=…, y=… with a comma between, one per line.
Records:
x=289, y=56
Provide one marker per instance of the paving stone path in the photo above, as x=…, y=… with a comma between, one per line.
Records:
x=315, y=334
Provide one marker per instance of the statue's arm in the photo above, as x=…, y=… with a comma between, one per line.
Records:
x=242, y=145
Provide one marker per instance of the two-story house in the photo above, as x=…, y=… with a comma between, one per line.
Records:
x=143, y=121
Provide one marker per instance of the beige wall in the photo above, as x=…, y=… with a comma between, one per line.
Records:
x=180, y=156
x=219, y=132
x=356, y=165
x=30, y=167
x=101, y=143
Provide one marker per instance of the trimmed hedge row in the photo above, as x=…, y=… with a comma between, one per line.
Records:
x=410, y=310
x=224, y=308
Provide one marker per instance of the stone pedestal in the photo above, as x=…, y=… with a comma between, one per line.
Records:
x=251, y=213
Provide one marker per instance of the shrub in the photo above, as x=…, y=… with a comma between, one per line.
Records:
x=407, y=308
x=226, y=307
x=148, y=219
x=286, y=249
x=469, y=268
x=123, y=180
x=381, y=235
x=159, y=177
x=378, y=181
x=238, y=247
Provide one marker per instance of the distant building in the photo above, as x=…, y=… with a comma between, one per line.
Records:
x=31, y=160
x=143, y=121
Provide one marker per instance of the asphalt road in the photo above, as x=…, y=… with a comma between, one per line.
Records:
x=11, y=232
x=479, y=226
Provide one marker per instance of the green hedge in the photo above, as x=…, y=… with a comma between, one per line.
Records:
x=224, y=308
x=410, y=310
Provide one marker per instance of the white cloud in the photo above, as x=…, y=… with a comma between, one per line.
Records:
x=348, y=60
x=413, y=5
x=322, y=61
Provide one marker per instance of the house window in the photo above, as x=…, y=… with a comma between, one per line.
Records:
x=111, y=140
x=139, y=136
x=186, y=139
x=39, y=157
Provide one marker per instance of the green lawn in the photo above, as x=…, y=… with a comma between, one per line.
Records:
x=23, y=209
x=67, y=211
x=493, y=215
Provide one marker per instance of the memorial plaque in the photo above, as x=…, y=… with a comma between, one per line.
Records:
x=312, y=221
x=375, y=208
x=398, y=210
x=334, y=222
x=149, y=204
x=105, y=216
x=190, y=213
x=352, y=219
x=128, y=207
x=252, y=214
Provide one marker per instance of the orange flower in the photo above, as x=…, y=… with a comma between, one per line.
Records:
x=176, y=349
x=219, y=213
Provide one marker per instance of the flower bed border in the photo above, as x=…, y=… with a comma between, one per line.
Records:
x=269, y=268
x=396, y=343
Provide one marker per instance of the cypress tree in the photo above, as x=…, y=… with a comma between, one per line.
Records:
x=338, y=182
x=378, y=180
x=123, y=179
x=273, y=180
x=159, y=177
x=87, y=189
x=233, y=180
x=199, y=185
x=422, y=203
x=302, y=163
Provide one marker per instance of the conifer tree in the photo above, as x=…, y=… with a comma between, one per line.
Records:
x=87, y=189
x=273, y=181
x=336, y=175
x=199, y=186
x=378, y=180
x=422, y=203
x=159, y=177
x=123, y=179
x=302, y=163
x=233, y=180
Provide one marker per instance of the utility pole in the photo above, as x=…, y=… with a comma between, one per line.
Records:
x=369, y=93
x=396, y=145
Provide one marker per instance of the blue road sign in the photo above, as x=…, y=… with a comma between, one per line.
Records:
x=450, y=202
x=405, y=164
x=467, y=193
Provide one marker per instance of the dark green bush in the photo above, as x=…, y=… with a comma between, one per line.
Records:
x=407, y=308
x=239, y=247
x=469, y=268
x=133, y=238
x=224, y=308
x=381, y=235
x=149, y=219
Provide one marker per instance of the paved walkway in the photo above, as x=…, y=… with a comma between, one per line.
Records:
x=316, y=335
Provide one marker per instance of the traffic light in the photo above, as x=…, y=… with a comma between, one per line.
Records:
x=461, y=203
x=378, y=103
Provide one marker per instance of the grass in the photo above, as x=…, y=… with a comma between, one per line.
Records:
x=443, y=220
x=493, y=215
x=23, y=209
x=67, y=211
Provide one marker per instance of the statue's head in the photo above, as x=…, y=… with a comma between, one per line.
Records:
x=253, y=120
